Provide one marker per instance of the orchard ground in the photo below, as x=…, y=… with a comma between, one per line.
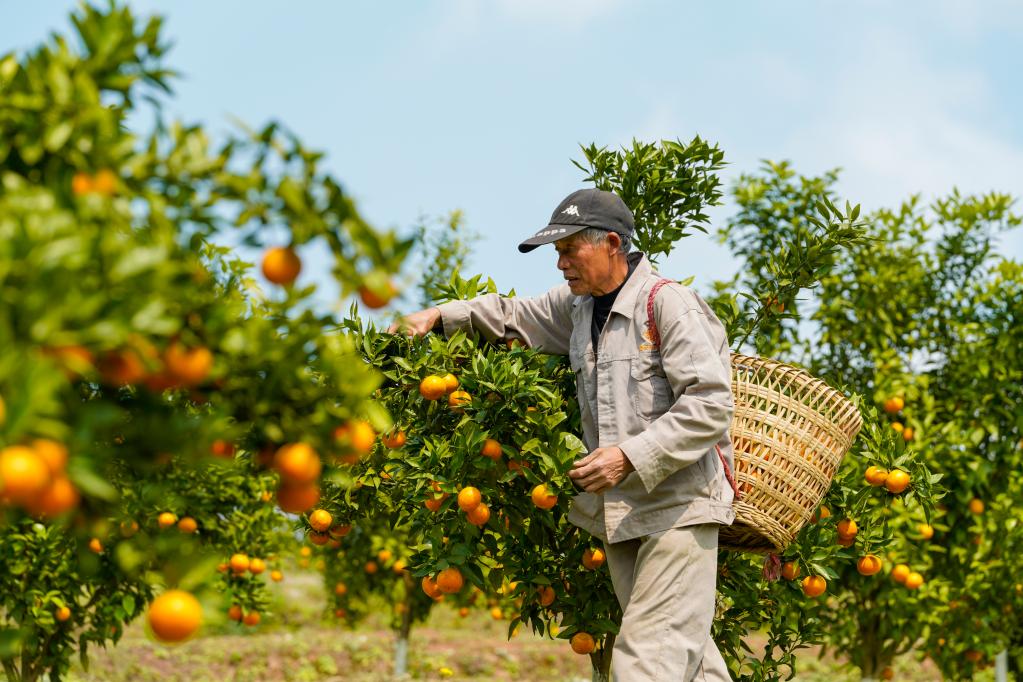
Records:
x=297, y=643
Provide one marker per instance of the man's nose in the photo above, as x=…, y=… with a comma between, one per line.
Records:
x=562, y=263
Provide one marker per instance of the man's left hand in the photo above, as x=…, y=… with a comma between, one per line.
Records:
x=601, y=470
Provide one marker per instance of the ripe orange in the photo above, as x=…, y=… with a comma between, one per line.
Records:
x=235, y=613
x=187, y=525
x=121, y=368
x=822, y=513
x=340, y=531
x=897, y=481
x=593, y=558
x=582, y=643
x=458, y=400
x=319, y=539
x=23, y=473
x=256, y=566
x=847, y=528
x=814, y=586
x=62, y=614
x=897, y=427
x=81, y=183
x=340, y=589
x=276, y=576
x=450, y=580
x=492, y=449
x=96, y=546
x=914, y=580
x=450, y=382
x=432, y=387
x=846, y=540
x=297, y=463
x=104, y=182
x=190, y=366
x=907, y=434
x=973, y=656
x=518, y=465
x=875, y=475
x=430, y=587
x=53, y=453
x=58, y=498
x=434, y=503
x=900, y=573
x=790, y=570
x=464, y=611
x=174, y=616
x=320, y=520
x=281, y=265
x=374, y=300
x=384, y=555
x=546, y=593
x=399, y=566
x=340, y=613
x=371, y=567
x=251, y=618
x=166, y=519
x=469, y=498
x=129, y=528
x=357, y=435
x=926, y=530
x=222, y=448
x=869, y=564
x=976, y=506
x=894, y=405
x=297, y=498
x=479, y=516
x=496, y=613
x=542, y=498
x=394, y=439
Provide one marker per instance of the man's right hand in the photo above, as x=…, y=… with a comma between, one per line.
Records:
x=416, y=324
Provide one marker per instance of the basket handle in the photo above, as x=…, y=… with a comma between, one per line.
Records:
x=655, y=339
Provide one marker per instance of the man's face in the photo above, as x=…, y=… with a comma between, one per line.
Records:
x=587, y=267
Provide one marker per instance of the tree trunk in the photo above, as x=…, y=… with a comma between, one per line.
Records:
x=401, y=645
x=600, y=661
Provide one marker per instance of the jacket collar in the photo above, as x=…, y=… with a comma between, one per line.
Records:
x=625, y=303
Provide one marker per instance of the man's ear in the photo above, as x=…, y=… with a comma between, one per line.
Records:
x=614, y=242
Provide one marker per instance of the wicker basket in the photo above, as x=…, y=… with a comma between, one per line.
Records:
x=790, y=433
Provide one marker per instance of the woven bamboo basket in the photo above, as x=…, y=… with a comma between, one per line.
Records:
x=790, y=432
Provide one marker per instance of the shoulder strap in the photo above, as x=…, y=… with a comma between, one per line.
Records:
x=655, y=339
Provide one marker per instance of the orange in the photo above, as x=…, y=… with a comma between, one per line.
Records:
x=340, y=531
x=374, y=300
x=281, y=265
x=973, y=656
x=450, y=382
x=318, y=539
x=790, y=570
x=96, y=546
x=59, y=497
x=357, y=435
x=340, y=589
x=297, y=498
x=868, y=564
x=23, y=473
x=166, y=519
x=105, y=182
x=546, y=595
x=814, y=586
x=518, y=465
x=582, y=643
x=496, y=613
x=321, y=520
x=399, y=566
x=926, y=530
x=371, y=567
x=430, y=587
x=593, y=558
x=898, y=427
x=251, y=618
x=458, y=400
x=875, y=475
x=887, y=674
x=479, y=516
x=897, y=481
x=469, y=498
x=463, y=612
x=821, y=513
x=384, y=555
x=256, y=566
x=900, y=573
x=129, y=528
x=394, y=439
x=222, y=448
x=450, y=580
x=81, y=183
x=62, y=614
x=235, y=613
x=434, y=503
x=297, y=463
x=340, y=613
x=121, y=368
x=174, y=616
x=914, y=580
x=53, y=453
x=432, y=387
x=492, y=449
x=894, y=405
x=976, y=506
x=276, y=576
x=847, y=528
x=907, y=434
x=542, y=498
x=187, y=525
x=190, y=366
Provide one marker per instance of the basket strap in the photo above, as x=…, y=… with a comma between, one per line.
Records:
x=655, y=339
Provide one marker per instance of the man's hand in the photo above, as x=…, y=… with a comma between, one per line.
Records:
x=601, y=470
x=416, y=324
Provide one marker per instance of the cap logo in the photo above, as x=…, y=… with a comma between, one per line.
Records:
x=571, y=210
x=547, y=233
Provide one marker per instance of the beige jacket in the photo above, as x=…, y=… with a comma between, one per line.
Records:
x=666, y=410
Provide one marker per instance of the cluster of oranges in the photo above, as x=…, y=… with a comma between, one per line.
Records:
x=103, y=183
x=186, y=524
x=33, y=477
x=282, y=266
x=470, y=500
x=894, y=406
x=325, y=530
x=138, y=362
x=299, y=467
x=895, y=481
x=434, y=387
x=448, y=581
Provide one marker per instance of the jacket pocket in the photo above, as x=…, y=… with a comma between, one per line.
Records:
x=651, y=393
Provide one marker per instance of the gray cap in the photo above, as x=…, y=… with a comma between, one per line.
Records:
x=581, y=210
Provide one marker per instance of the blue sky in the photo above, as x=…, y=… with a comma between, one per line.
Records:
x=480, y=105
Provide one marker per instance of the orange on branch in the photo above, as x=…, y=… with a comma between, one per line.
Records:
x=450, y=580
x=542, y=498
x=479, y=516
x=190, y=366
x=897, y=481
x=790, y=570
x=469, y=498
x=174, y=616
x=432, y=387
x=582, y=643
x=23, y=473
x=281, y=265
x=256, y=566
x=593, y=558
x=166, y=519
x=894, y=405
x=297, y=463
x=321, y=520
x=869, y=564
x=899, y=573
x=875, y=475
x=394, y=439
x=491, y=449
x=814, y=586
x=430, y=587
x=450, y=382
x=239, y=562
x=187, y=525
x=458, y=400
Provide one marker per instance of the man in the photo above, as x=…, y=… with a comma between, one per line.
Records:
x=655, y=420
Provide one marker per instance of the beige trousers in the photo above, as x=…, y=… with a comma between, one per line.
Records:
x=665, y=583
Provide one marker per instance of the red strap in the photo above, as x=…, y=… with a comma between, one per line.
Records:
x=655, y=339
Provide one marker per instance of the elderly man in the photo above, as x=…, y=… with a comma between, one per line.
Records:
x=656, y=405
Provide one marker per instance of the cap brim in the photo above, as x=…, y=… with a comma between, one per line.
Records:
x=549, y=235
